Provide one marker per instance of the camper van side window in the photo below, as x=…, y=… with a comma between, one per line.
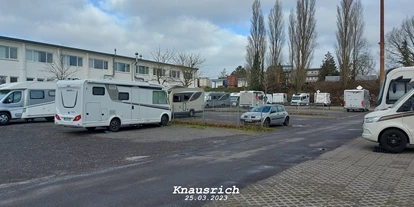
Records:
x=159, y=97
x=52, y=93
x=98, y=91
x=123, y=96
x=195, y=96
x=37, y=94
x=187, y=96
x=177, y=98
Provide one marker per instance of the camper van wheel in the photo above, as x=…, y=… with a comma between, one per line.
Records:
x=191, y=114
x=4, y=118
x=114, y=125
x=223, y=105
x=164, y=120
x=90, y=128
x=50, y=119
x=393, y=140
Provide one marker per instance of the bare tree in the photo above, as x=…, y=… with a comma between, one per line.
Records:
x=352, y=47
x=256, y=47
x=161, y=65
x=302, y=32
x=400, y=45
x=276, y=42
x=190, y=64
x=60, y=67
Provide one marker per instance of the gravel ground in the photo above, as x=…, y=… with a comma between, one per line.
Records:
x=38, y=149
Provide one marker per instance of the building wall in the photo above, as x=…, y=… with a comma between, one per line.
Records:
x=24, y=69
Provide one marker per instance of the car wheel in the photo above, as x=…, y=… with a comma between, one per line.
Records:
x=191, y=114
x=393, y=140
x=164, y=120
x=114, y=125
x=266, y=122
x=286, y=122
x=4, y=118
x=90, y=128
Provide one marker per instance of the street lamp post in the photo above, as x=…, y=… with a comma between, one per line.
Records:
x=382, y=70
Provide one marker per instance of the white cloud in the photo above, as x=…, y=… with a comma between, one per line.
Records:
x=213, y=28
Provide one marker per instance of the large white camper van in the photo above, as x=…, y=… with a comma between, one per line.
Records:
x=322, y=98
x=108, y=103
x=186, y=101
x=299, y=99
x=27, y=100
x=249, y=99
x=280, y=98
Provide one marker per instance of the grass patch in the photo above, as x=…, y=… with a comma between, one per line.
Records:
x=204, y=125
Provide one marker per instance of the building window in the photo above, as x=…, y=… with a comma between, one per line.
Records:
x=8, y=52
x=122, y=67
x=188, y=75
x=98, y=64
x=174, y=74
x=159, y=97
x=3, y=79
x=158, y=72
x=30, y=79
x=142, y=69
x=13, y=79
x=39, y=56
x=71, y=60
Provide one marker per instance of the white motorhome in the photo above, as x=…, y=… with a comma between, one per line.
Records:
x=27, y=100
x=394, y=86
x=249, y=99
x=356, y=99
x=300, y=99
x=322, y=98
x=280, y=98
x=392, y=127
x=93, y=103
x=186, y=101
x=234, y=99
x=269, y=98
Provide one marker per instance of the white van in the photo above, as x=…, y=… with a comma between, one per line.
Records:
x=27, y=100
x=357, y=99
x=393, y=127
x=234, y=99
x=300, y=99
x=93, y=103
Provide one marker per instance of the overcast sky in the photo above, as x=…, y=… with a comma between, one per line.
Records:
x=216, y=29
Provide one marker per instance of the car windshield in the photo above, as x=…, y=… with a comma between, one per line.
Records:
x=264, y=109
x=3, y=93
x=409, y=93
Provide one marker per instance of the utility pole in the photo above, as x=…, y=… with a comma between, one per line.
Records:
x=382, y=72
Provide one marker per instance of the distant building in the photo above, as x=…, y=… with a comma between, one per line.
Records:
x=332, y=78
x=312, y=75
x=204, y=82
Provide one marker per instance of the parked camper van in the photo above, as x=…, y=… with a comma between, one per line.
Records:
x=356, y=99
x=27, y=100
x=108, y=103
x=280, y=98
x=186, y=101
x=322, y=98
x=249, y=99
x=300, y=99
x=392, y=127
x=234, y=99
x=216, y=99
x=269, y=98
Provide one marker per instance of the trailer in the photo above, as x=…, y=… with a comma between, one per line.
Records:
x=322, y=98
x=94, y=103
x=249, y=99
x=280, y=98
x=357, y=99
x=186, y=101
x=300, y=99
x=27, y=100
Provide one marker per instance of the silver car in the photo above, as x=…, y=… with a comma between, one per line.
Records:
x=269, y=114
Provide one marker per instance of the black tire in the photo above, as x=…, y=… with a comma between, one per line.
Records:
x=266, y=123
x=50, y=119
x=286, y=122
x=191, y=113
x=114, y=125
x=4, y=118
x=347, y=110
x=164, y=120
x=90, y=128
x=393, y=140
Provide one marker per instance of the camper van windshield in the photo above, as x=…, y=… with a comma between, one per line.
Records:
x=260, y=109
x=295, y=98
x=234, y=98
x=3, y=93
x=403, y=97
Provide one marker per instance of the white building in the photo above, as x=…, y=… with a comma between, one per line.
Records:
x=24, y=60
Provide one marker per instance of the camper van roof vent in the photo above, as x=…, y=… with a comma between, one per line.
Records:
x=359, y=87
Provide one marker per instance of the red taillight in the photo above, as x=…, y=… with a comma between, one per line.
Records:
x=77, y=118
x=362, y=103
x=57, y=117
